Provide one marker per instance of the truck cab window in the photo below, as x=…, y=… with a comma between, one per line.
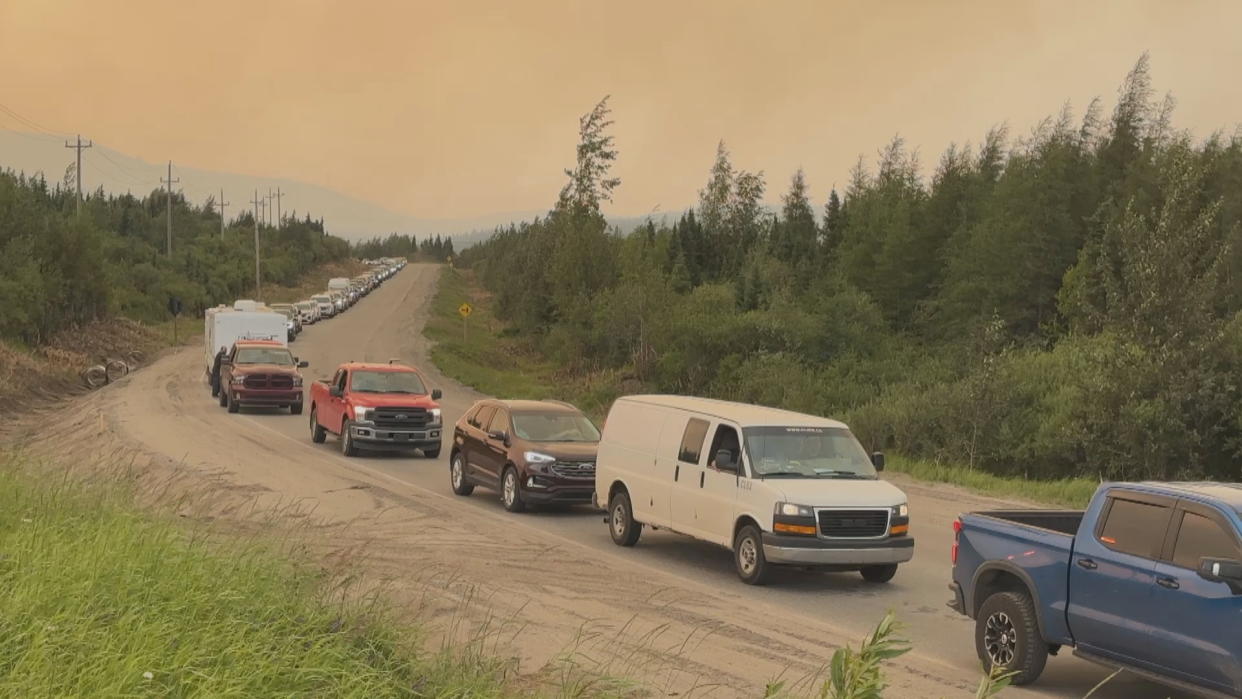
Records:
x=692, y=441
x=1133, y=527
x=726, y=438
x=1201, y=537
x=341, y=379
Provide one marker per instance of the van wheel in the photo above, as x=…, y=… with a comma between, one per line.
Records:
x=752, y=567
x=879, y=574
x=511, y=491
x=318, y=433
x=1007, y=637
x=457, y=475
x=625, y=531
x=347, y=441
x=231, y=403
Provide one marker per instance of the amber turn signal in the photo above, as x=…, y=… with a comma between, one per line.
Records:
x=899, y=529
x=793, y=528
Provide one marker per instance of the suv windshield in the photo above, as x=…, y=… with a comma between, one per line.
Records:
x=554, y=427
x=806, y=452
x=263, y=355
x=387, y=382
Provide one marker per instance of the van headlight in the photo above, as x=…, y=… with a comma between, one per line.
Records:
x=788, y=509
x=902, y=510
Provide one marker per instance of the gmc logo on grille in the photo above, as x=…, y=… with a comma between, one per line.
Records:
x=854, y=523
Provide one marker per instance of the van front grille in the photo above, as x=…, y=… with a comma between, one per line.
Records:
x=853, y=524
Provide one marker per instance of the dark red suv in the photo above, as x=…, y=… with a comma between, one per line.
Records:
x=533, y=452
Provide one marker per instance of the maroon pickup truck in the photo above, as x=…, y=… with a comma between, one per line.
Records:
x=377, y=407
x=261, y=373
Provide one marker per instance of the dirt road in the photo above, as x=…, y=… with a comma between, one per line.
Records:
x=670, y=612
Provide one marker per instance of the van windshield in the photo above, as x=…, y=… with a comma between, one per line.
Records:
x=554, y=427
x=806, y=452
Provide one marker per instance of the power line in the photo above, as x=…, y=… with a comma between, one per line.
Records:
x=78, y=171
x=279, y=195
x=170, y=182
x=30, y=123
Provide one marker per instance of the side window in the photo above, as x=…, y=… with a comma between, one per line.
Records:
x=500, y=421
x=1133, y=527
x=726, y=438
x=341, y=379
x=484, y=416
x=1201, y=537
x=472, y=418
x=692, y=441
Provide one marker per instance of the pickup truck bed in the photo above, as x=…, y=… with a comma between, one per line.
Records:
x=1063, y=521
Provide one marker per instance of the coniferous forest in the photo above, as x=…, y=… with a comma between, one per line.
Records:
x=1062, y=302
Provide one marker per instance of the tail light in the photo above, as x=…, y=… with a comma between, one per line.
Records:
x=957, y=529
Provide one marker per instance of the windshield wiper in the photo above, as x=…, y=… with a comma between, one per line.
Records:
x=787, y=473
x=846, y=474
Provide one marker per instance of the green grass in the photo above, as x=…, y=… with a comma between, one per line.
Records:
x=99, y=599
x=1070, y=492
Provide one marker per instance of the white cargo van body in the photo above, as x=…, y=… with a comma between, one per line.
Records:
x=338, y=283
x=775, y=486
x=223, y=326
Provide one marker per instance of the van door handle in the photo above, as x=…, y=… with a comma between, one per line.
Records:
x=701, y=474
x=1087, y=563
x=676, y=472
x=1169, y=583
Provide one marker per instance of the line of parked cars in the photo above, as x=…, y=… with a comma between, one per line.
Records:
x=248, y=362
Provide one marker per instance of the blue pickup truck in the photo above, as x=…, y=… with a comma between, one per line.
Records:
x=1147, y=578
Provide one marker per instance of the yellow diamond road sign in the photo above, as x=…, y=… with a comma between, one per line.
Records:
x=464, y=310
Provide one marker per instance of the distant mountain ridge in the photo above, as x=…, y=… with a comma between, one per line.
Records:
x=343, y=215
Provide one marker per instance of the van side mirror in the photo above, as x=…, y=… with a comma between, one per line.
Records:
x=436, y=394
x=724, y=461
x=336, y=392
x=877, y=460
x=1222, y=570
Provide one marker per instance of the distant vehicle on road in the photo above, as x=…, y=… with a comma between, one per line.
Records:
x=377, y=407
x=223, y=326
x=533, y=452
x=327, y=308
x=776, y=487
x=1148, y=578
x=338, y=283
x=261, y=373
x=309, y=311
x=293, y=319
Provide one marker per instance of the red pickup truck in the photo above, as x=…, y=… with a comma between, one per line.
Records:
x=261, y=373
x=377, y=407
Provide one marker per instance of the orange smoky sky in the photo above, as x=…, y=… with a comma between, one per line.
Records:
x=459, y=108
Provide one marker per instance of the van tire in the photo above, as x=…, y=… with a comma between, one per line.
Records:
x=318, y=433
x=879, y=574
x=1007, y=637
x=748, y=557
x=621, y=524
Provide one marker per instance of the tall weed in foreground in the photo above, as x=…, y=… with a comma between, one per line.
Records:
x=858, y=674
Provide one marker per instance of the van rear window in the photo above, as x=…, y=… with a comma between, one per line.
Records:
x=692, y=441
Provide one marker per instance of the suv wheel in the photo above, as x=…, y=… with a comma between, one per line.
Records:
x=318, y=433
x=347, y=441
x=752, y=567
x=1007, y=637
x=457, y=475
x=511, y=491
x=621, y=524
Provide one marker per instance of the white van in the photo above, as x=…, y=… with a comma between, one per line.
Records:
x=776, y=487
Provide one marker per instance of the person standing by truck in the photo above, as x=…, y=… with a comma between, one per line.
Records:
x=215, y=371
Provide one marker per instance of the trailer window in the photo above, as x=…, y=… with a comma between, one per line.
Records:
x=1136, y=528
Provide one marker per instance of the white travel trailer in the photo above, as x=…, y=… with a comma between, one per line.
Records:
x=222, y=326
x=776, y=487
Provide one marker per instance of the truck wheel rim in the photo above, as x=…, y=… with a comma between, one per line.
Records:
x=618, y=520
x=747, y=555
x=1000, y=639
x=457, y=471
x=510, y=488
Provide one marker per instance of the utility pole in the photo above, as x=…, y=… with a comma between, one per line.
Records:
x=279, y=196
x=78, y=171
x=170, y=182
x=258, y=294
x=223, y=204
